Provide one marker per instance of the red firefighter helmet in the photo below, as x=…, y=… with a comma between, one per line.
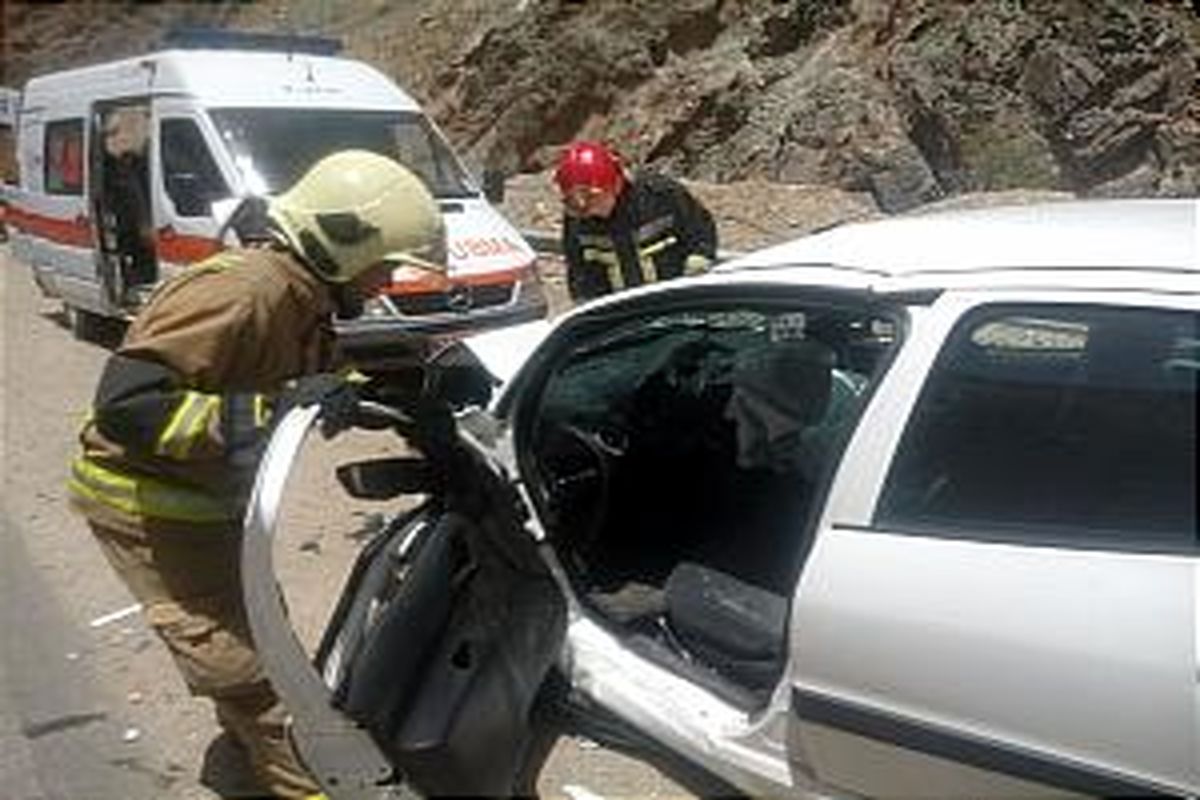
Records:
x=589, y=164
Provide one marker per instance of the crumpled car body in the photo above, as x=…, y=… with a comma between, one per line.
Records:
x=906, y=508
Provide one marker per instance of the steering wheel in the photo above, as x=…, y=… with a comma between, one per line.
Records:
x=578, y=464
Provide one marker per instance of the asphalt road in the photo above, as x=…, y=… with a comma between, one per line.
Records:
x=61, y=735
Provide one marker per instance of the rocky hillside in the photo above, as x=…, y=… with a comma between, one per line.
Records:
x=909, y=100
x=902, y=102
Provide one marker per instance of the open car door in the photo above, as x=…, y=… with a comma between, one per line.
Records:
x=427, y=677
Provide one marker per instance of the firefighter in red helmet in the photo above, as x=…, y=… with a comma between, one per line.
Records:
x=621, y=231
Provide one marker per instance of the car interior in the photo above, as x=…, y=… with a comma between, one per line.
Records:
x=679, y=459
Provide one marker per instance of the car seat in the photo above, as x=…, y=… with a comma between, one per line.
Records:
x=737, y=629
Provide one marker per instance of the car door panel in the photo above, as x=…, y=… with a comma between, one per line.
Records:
x=452, y=648
x=445, y=632
x=467, y=728
x=1016, y=658
x=395, y=627
x=1087, y=695
x=865, y=764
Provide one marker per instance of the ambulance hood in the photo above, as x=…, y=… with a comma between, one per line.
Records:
x=479, y=240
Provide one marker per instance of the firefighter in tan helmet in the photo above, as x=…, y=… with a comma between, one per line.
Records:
x=180, y=413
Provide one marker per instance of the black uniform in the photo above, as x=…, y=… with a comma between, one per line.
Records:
x=128, y=191
x=655, y=225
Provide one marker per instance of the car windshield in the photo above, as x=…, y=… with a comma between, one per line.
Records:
x=273, y=147
x=600, y=372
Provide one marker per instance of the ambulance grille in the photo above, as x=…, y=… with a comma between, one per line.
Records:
x=461, y=299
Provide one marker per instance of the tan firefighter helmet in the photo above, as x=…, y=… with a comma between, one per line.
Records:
x=355, y=209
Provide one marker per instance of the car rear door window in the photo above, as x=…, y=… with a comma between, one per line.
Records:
x=1062, y=425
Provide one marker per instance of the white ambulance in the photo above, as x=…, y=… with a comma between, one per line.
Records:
x=130, y=170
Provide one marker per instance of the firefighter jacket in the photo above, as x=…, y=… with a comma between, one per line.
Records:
x=181, y=407
x=654, y=227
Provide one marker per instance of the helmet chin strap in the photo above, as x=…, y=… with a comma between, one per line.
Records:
x=348, y=302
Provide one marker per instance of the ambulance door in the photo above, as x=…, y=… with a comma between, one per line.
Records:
x=119, y=195
x=187, y=179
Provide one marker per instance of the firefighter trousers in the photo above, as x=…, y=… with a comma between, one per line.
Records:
x=189, y=587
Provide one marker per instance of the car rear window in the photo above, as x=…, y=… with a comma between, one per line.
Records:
x=1068, y=425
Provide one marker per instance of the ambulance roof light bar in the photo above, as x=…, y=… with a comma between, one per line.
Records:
x=187, y=38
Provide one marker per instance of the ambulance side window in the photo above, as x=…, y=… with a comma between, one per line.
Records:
x=191, y=176
x=63, y=157
x=8, y=154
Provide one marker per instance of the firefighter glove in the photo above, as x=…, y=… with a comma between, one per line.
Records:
x=337, y=398
x=696, y=264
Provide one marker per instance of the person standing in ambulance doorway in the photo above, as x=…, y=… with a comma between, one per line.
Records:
x=181, y=411
x=620, y=231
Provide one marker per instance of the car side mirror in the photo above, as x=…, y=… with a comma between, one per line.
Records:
x=385, y=478
x=493, y=185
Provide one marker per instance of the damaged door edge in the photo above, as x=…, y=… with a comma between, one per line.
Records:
x=347, y=762
x=685, y=717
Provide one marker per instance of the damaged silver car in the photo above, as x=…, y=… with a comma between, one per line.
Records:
x=905, y=508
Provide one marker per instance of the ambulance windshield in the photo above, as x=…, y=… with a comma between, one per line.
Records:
x=273, y=147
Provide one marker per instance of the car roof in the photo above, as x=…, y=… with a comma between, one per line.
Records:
x=1133, y=246
x=1152, y=244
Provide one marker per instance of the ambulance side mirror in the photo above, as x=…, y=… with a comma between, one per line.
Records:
x=245, y=217
x=222, y=211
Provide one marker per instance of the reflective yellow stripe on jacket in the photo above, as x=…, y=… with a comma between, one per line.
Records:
x=646, y=257
x=612, y=262
x=187, y=424
x=145, y=496
x=262, y=414
x=612, y=265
